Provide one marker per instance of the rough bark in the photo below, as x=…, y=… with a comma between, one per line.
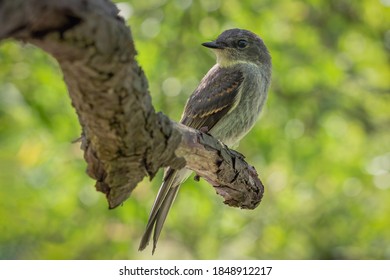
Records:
x=123, y=139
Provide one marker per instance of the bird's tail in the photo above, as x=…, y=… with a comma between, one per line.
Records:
x=165, y=197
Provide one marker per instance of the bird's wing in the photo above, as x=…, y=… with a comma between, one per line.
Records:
x=213, y=98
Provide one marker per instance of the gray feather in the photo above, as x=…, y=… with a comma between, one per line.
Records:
x=163, y=213
x=165, y=197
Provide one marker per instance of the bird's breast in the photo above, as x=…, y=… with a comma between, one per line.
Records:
x=237, y=123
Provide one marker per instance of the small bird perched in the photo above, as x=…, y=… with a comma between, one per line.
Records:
x=226, y=104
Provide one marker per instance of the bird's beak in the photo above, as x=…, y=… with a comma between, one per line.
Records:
x=213, y=45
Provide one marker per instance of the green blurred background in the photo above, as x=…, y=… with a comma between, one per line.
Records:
x=322, y=145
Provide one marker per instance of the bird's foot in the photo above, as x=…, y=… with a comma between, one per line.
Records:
x=237, y=154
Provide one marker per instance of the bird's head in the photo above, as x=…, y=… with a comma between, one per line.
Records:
x=237, y=46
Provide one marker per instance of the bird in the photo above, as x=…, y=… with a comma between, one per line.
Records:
x=226, y=104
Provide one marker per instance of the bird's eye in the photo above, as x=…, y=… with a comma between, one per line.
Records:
x=242, y=44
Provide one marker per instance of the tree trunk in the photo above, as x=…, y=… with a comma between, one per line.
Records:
x=123, y=138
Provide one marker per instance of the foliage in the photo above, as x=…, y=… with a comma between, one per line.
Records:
x=322, y=145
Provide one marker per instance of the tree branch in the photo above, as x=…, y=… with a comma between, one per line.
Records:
x=224, y=169
x=124, y=139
